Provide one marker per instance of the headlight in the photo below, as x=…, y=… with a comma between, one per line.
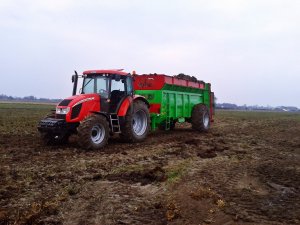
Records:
x=62, y=110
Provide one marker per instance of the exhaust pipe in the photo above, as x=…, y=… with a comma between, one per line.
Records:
x=75, y=81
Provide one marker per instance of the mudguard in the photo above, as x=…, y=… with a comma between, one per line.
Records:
x=128, y=102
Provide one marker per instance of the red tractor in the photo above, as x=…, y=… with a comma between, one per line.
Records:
x=106, y=105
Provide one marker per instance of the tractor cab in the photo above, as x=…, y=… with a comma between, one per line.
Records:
x=112, y=86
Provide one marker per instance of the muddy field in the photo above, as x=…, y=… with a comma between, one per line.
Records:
x=246, y=170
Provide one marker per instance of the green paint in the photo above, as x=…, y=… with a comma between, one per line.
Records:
x=181, y=120
x=176, y=102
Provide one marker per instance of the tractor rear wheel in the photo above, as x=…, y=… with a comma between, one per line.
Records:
x=137, y=123
x=200, y=118
x=93, y=132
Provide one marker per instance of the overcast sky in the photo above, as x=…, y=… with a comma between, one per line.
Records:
x=249, y=50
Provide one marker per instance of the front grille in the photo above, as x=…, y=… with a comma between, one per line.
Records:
x=65, y=102
x=50, y=122
x=75, y=111
x=60, y=116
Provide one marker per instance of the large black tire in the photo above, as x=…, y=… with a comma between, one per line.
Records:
x=137, y=123
x=93, y=132
x=200, y=118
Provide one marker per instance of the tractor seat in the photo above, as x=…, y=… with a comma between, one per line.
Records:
x=116, y=98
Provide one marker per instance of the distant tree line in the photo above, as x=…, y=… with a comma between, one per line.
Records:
x=225, y=106
x=230, y=106
x=30, y=98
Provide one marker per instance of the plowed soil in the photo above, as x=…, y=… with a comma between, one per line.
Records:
x=246, y=170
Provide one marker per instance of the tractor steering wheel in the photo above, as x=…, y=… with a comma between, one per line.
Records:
x=103, y=92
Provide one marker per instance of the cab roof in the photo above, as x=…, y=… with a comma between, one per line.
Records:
x=117, y=71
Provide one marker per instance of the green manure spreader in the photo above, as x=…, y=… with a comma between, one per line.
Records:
x=172, y=100
x=113, y=101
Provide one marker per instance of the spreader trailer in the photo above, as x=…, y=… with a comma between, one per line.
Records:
x=113, y=101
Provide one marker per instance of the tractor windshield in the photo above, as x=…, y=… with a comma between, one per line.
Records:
x=99, y=85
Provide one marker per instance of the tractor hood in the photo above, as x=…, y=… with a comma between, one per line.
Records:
x=77, y=107
x=78, y=99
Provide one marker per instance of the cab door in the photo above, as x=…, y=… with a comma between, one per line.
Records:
x=117, y=93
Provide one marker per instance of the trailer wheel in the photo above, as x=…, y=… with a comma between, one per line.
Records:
x=200, y=118
x=137, y=123
x=93, y=132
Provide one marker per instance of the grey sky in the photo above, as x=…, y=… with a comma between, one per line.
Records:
x=248, y=49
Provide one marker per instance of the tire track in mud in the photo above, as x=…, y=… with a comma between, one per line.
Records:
x=256, y=192
x=114, y=203
x=78, y=166
x=126, y=183
x=146, y=169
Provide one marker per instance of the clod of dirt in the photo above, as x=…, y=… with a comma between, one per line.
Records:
x=208, y=221
x=207, y=154
x=97, y=177
x=158, y=205
x=192, y=142
x=281, y=188
x=173, y=211
x=180, y=150
x=219, y=148
x=73, y=190
x=253, y=142
x=296, y=145
x=201, y=193
x=3, y=218
x=220, y=203
x=145, y=176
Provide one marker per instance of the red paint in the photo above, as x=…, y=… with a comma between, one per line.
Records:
x=87, y=106
x=157, y=82
x=128, y=101
x=154, y=108
x=124, y=106
x=92, y=72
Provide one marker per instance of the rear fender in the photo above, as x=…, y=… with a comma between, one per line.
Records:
x=125, y=106
x=141, y=98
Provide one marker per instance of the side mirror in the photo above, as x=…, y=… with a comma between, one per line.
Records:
x=74, y=81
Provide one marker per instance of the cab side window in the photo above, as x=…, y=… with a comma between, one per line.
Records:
x=129, y=86
x=117, y=85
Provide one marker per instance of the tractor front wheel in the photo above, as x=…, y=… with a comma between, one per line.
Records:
x=200, y=118
x=93, y=132
x=137, y=123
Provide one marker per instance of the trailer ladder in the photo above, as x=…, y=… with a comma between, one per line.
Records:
x=168, y=122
